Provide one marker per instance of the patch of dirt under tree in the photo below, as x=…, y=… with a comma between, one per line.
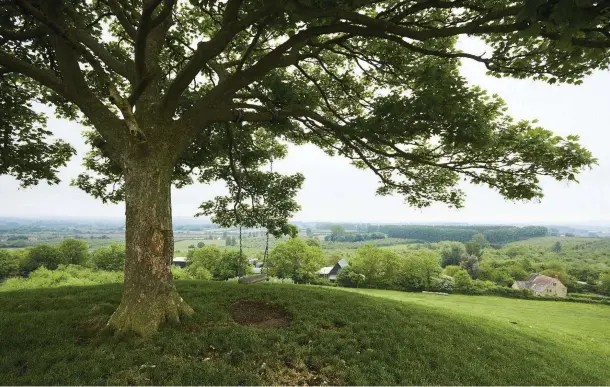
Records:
x=260, y=314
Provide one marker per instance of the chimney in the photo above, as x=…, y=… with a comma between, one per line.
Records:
x=537, y=273
x=556, y=276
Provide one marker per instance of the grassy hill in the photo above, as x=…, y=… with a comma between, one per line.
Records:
x=305, y=335
x=584, y=327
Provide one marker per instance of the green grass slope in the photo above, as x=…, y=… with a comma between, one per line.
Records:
x=336, y=337
x=581, y=327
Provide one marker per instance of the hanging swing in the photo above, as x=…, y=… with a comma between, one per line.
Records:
x=254, y=278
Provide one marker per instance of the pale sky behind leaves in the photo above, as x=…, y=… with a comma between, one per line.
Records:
x=336, y=191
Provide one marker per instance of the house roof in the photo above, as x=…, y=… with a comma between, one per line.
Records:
x=326, y=270
x=179, y=259
x=537, y=282
x=342, y=263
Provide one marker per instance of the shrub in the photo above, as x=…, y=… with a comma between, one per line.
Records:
x=482, y=287
x=9, y=264
x=381, y=268
x=180, y=273
x=590, y=297
x=604, y=286
x=452, y=253
x=450, y=270
x=443, y=284
x=304, y=276
x=315, y=242
x=199, y=273
x=74, y=252
x=418, y=270
x=500, y=275
x=510, y=292
x=462, y=280
x=324, y=281
x=189, y=273
x=207, y=257
x=64, y=275
x=349, y=278
x=232, y=264
x=110, y=258
x=38, y=256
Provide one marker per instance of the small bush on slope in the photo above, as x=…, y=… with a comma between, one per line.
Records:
x=70, y=275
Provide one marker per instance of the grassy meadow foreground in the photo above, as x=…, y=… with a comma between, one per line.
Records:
x=305, y=335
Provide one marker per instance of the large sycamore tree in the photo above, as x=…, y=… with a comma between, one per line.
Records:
x=177, y=90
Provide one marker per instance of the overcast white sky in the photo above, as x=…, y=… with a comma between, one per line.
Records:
x=336, y=191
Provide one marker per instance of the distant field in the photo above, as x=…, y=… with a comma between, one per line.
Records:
x=181, y=247
x=575, y=251
x=183, y=244
x=385, y=242
x=583, y=243
x=93, y=243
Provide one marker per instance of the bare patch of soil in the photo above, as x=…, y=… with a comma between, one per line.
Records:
x=260, y=314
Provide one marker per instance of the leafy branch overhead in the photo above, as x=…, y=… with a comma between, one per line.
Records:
x=256, y=198
x=26, y=150
x=374, y=81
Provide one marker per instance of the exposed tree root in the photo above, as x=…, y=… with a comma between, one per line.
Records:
x=145, y=314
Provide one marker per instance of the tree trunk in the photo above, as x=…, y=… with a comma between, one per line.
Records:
x=150, y=298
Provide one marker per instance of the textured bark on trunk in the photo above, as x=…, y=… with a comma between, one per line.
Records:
x=150, y=298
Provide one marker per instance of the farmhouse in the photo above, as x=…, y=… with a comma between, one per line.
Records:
x=543, y=285
x=331, y=272
x=257, y=267
x=180, y=261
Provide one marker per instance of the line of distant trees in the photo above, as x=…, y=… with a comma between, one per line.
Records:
x=494, y=234
x=17, y=237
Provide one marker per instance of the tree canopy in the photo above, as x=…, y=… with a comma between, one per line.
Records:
x=74, y=252
x=178, y=91
x=375, y=81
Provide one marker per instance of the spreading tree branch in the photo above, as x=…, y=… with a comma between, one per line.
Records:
x=44, y=77
x=127, y=25
x=207, y=51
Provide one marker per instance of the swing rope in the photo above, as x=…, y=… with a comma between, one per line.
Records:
x=239, y=121
x=274, y=117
